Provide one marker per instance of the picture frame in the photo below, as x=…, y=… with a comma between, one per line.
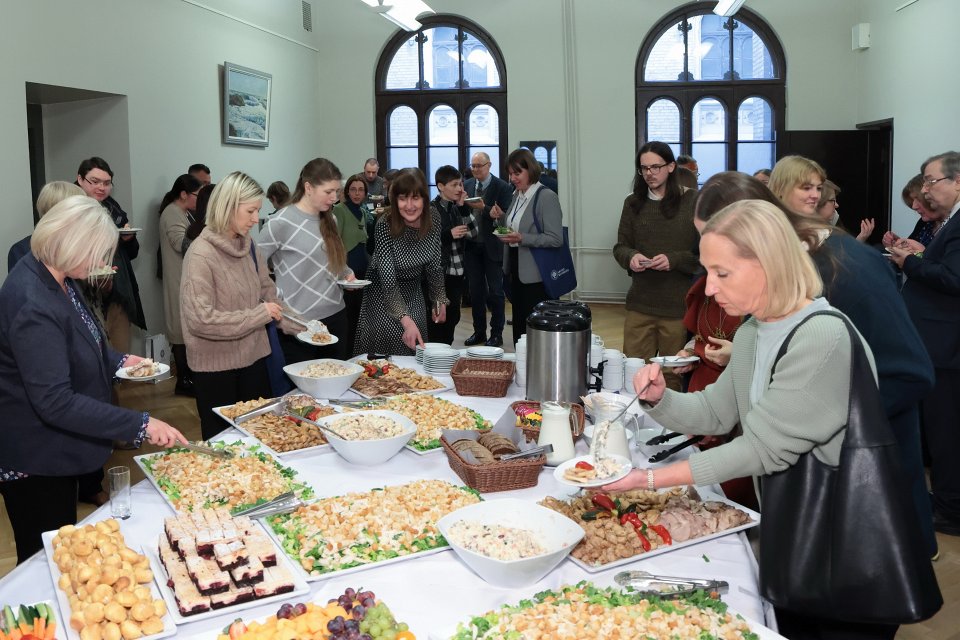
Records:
x=246, y=105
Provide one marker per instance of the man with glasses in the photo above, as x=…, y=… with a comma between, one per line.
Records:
x=121, y=294
x=932, y=294
x=483, y=259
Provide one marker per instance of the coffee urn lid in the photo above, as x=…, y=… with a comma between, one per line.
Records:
x=565, y=305
x=557, y=320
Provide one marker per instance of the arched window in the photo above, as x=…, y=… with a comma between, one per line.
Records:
x=713, y=88
x=441, y=96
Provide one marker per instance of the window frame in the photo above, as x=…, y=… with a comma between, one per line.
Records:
x=422, y=100
x=730, y=93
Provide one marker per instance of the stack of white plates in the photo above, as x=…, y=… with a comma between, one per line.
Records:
x=485, y=353
x=438, y=361
x=420, y=350
x=521, y=355
x=630, y=368
x=613, y=370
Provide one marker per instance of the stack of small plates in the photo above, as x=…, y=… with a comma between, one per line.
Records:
x=521, y=356
x=613, y=370
x=438, y=361
x=485, y=353
x=419, y=350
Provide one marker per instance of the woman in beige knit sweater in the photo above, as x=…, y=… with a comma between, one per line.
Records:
x=226, y=300
x=656, y=244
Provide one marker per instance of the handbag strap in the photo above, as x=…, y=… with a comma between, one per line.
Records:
x=533, y=208
x=865, y=412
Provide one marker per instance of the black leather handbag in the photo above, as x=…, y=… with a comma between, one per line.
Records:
x=842, y=542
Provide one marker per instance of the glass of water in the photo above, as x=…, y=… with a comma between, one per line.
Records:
x=120, y=498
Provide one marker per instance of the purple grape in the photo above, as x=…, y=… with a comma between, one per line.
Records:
x=346, y=602
x=299, y=609
x=358, y=612
x=351, y=625
x=350, y=592
x=285, y=614
x=369, y=603
x=363, y=595
x=336, y=625
x=366, y=636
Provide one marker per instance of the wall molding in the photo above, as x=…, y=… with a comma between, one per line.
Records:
x=252, y=25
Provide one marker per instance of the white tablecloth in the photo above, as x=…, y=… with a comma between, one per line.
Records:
x=432, y=592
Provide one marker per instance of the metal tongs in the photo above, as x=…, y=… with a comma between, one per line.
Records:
x=535, y=451
x=668, y=586
x=322, y=427
x=273, y=402
x=283, y=503
x=663, y=455
x=223, y=454
x=371, y=402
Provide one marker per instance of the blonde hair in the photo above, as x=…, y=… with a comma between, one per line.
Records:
x=76, y=232
x=227, y=196
x=760, y=231
x=791, y=172
x=54, y=192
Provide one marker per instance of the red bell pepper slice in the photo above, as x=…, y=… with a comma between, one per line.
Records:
x=662, y=532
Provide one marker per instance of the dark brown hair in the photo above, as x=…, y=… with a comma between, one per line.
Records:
x=523, y=159
x=409, y=183
x=316, y=171
x=670, y=204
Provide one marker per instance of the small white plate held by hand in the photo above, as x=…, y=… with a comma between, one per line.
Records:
x=625, y=466
x=159, y=370
x=674, y=361
x=353, y=284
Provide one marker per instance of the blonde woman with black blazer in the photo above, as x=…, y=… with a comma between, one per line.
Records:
x=530, y=199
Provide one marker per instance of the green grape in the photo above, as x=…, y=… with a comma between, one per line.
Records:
x=403, y=626
x=389, y=634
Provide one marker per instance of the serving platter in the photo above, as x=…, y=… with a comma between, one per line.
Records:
x=242, y=447
x=705, y=496
x=302, y=522
x=63, y=604
x=300, y=587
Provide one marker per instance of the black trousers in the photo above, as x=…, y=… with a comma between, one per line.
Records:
x=802, y=627
x=296, y=351
x=353, y=298
x=218, y=388
x=941, y=430
x=485, y=278
x=523, y=297
x=36, y=504
x=443, y=332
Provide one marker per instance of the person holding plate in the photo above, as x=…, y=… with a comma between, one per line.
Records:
x=308, y=256
x=795, y=351
x=56, y=373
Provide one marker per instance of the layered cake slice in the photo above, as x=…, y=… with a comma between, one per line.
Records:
x=230, y=555
x=275, y=580
x=248, y=574
x=207, y=575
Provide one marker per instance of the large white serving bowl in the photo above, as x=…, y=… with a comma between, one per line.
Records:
x=369, y=452
x=329, y=387
x=558, y=533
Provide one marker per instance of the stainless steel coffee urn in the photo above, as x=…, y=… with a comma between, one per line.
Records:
x=558, y=352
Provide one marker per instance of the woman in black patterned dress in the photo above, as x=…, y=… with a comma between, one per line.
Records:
x=393, y=319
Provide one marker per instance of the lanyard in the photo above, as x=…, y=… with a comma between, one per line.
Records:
x=518, y=204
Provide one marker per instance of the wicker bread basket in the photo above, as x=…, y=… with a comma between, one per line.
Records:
x=496, y=476
x=532, y=433
x=482, y=377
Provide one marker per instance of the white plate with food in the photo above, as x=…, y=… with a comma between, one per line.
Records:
x=103, y=272
x=317, y=339
x=473, y=199
x=502, y=231
x=129, y=230
x=291, y=579
x=124, y=615
x=612, y=468
x=354, y=284
x=145, y=370
x=281, y=436
x=674, y=361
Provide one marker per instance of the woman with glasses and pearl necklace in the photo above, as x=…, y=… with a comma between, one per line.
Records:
x=656, y=244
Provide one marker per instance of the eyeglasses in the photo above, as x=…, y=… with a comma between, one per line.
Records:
x=651, y=168
x=929, y=182
x=195, y=193
x=479, y=166
x=93, y=182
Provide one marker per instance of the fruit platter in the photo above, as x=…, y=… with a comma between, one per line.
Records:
x=353, y=615
x=190, y=480
x=356, y=530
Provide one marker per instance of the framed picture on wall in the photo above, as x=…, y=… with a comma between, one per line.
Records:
x=246, y=105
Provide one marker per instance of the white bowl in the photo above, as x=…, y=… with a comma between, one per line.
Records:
x=369, y=452
x=330, y=387
x=588, y=434
x=647, y=434
x=553, y=530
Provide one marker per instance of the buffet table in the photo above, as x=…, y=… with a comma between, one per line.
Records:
x=433, y=592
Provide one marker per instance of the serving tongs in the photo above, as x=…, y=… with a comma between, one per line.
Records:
x=668, y=586
x=663, y=455
x=283, y=503
x=535, y=451
x=322, y=427
x=246, y=415
x=371, y=402
x=223, y=454
x=663, y=437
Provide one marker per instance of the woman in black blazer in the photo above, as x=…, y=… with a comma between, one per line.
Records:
x=56, y=369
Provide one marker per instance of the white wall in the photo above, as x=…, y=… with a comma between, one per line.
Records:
x=910, y=74
x=165, y=57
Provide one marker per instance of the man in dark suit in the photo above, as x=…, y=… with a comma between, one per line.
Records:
x=484, y=255
x=932, y=294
